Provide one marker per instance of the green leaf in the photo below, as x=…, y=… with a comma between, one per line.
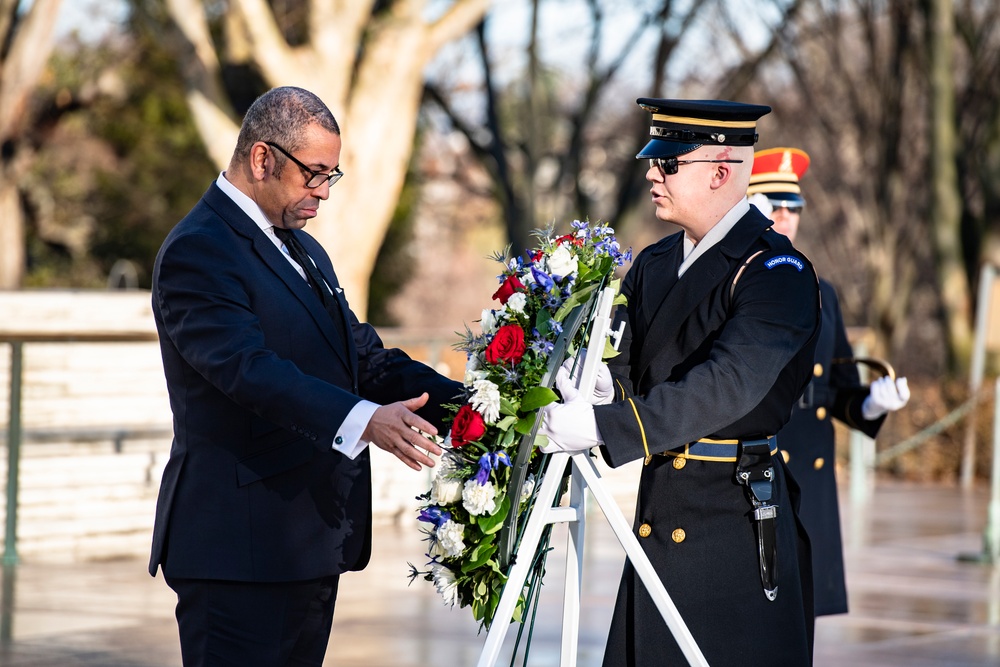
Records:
x=507, y=421
x=536, y=397
x=543, y=322
x=491, y=524
x=609, y=352
x=507, y=406
x=478, y=558
x=574, y=300
x=524, y=426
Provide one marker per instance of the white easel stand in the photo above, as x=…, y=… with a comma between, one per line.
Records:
x=584, y=476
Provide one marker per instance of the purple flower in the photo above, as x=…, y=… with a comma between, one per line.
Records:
x=435, y=515
x=489, y=462
x=542, y=279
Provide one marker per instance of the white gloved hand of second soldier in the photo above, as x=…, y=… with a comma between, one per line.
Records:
x=884, y=396
x=570, y=427
x=604, y=389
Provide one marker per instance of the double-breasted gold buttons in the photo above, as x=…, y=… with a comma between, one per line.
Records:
x=645, y=530
x=680, y=462
x=821, y=413
x=819, y=463
x=678, y=535
x=784, y=455
x=818, y=370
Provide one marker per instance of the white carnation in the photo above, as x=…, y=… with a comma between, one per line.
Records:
x=444, y=582
x=478, y=498
x=449, y=539
x=562, y=262
x=486, y=400
x=516, y=302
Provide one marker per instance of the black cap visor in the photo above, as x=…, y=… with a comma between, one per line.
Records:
x=663, y=148
x=785, y=199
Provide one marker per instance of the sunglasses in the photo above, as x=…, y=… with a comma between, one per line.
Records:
x=669, y=165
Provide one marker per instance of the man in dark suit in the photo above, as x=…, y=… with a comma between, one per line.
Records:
x=276, y=390
x=835, y=391
x=720, y=328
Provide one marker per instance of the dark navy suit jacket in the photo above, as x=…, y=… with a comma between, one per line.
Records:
x=260, y=380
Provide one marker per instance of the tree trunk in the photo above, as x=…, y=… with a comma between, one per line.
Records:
x=369, y=71
x=946, y=203
x=30, y=38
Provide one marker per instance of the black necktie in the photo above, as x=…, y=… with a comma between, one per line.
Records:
x=301, y=257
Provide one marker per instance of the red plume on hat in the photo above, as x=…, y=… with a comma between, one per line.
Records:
x=776, y=173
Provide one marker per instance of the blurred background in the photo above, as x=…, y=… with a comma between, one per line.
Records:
x=467, y=124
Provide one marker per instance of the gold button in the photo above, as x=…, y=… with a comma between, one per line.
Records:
x=678, y=535
x=818, y=463
x=821, y=413
x=818, y=370
x=680, y=462
x=645, y=530
x=784, y=455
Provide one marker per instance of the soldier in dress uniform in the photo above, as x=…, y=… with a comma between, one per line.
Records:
x=836, y=391
x=720, y=331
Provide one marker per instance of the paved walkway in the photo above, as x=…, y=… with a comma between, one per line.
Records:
x=913, y=601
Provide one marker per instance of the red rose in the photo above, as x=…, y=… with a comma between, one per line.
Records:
x=509, y=286
x=569, y=238
x=507, y=345
x=467, y=427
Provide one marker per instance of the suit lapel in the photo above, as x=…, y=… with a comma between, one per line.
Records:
x=268, y=253
x=696, y=284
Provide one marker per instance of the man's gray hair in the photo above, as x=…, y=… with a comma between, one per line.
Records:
x=280, y=115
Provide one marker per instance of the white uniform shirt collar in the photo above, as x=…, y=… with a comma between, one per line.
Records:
x=692, y=252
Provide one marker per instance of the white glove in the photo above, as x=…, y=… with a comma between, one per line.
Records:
x=604, y=389
x=570, y=427
x=762, y=203
x=884, y=396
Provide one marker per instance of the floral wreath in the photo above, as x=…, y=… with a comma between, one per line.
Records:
x=543, y=297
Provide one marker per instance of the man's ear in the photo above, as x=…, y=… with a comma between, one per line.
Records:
x=721, y=175
x=258, y=160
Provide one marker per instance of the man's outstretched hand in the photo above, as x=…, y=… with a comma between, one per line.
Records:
x=392, y=428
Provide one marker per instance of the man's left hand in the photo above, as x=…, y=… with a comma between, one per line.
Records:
x=884, y=396
x=392, y=428
x=570, y=427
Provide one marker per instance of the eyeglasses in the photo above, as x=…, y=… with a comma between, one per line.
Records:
x=316, y=178
x=790, y=209
x=669, y=165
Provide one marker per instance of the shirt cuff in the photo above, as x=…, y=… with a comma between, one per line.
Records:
x=348, y=439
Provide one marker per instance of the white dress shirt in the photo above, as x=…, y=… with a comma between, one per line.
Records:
x=693, y=251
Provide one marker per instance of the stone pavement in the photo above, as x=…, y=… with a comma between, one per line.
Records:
x=913, y=601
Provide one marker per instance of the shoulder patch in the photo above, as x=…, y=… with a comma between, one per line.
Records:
x=784, y=259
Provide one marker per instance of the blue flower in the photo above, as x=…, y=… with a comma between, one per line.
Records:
x=489, y=462
x=543, y=279
x=435, y=515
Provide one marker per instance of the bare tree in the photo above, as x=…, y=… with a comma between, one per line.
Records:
x=26, y=40
x=545, y=140
x=365, y=59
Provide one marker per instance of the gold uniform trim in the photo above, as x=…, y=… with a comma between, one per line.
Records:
x=663, y=118
x=697, y=457
x=642, y=431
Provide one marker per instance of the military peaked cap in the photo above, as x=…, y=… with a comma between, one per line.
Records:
x=776, y=173
x=680, y=126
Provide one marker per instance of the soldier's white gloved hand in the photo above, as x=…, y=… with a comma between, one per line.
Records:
x=570, y=427
x=884, y=396
x=604, y=389
x=762, y=203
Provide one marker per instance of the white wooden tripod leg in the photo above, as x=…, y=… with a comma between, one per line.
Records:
x=541, y=515
x=574, y=571
x=640, y=561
